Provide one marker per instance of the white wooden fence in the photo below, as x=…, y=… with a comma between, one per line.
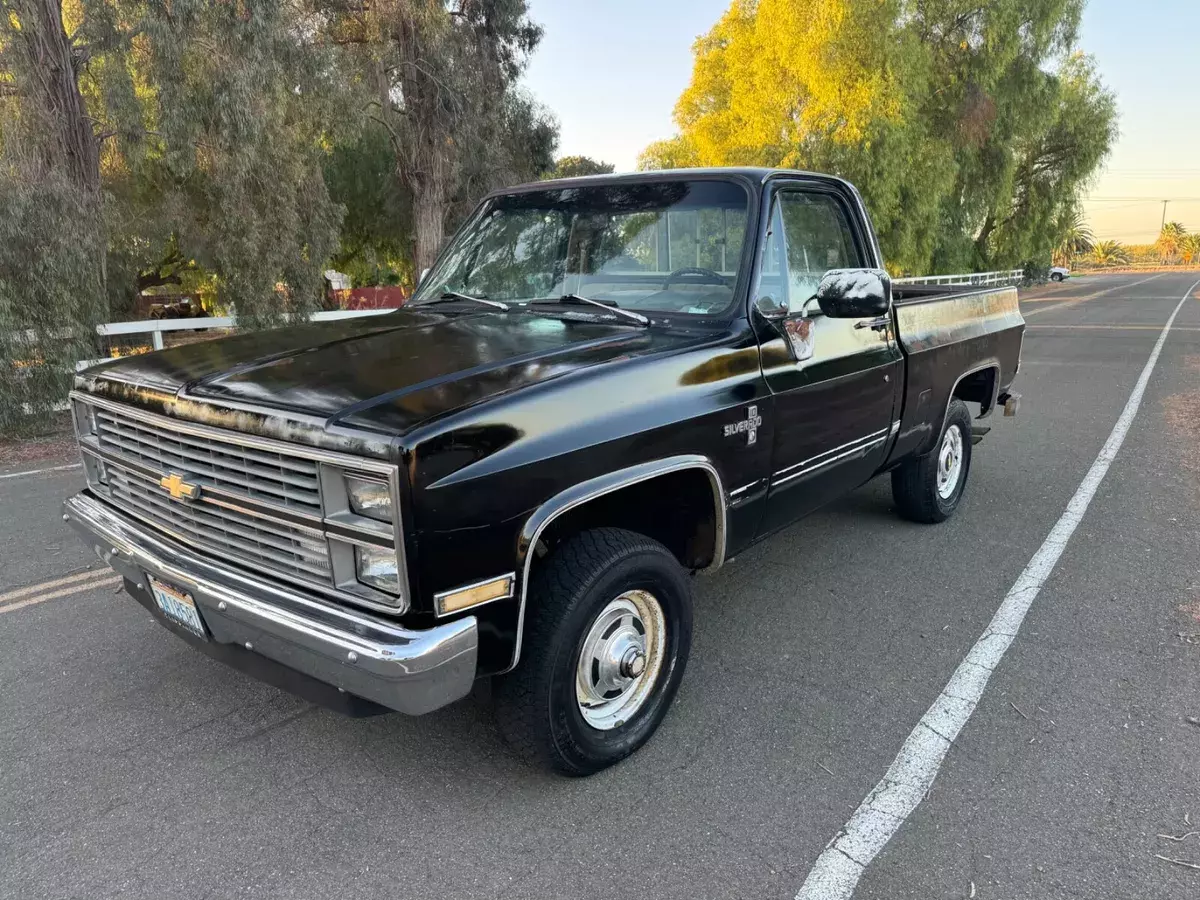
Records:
x=972, y=278
x=156, y=327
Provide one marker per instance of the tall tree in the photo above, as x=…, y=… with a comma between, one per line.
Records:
x=445, y=89
x=1077, y=237
x=1189, y=249
x=374, y=246
x=222, y=112
x=52, y=273
x=967, y=124
x=575, y=166
x=1170, y=241
x=139, y=140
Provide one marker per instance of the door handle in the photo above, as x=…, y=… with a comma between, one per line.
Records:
x=879, y=323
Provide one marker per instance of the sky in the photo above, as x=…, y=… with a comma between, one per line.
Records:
x=611, y=70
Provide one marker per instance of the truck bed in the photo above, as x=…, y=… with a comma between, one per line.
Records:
x=964, y=342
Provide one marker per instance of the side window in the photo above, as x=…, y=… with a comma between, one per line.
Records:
x=771, y=270
x=817, y=238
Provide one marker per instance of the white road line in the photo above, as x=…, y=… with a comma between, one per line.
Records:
x=65, y=592
x=57, y=582
x=41, y=471
x=902, y=788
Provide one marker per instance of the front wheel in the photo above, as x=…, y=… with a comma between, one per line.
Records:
x=1057, y=276
x=929, y=488
x=607, y=634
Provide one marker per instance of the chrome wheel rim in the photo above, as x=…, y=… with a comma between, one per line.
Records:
x=950, y=462
x=620, y=660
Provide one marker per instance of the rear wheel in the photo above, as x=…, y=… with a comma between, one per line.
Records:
x=607, y=634
x=929, y=488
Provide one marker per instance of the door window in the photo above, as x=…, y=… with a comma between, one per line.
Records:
x=816, y=238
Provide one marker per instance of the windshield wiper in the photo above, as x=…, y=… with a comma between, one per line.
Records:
x=459, y=295
x=611, y=307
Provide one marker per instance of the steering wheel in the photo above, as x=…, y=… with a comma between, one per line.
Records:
x=707, y=276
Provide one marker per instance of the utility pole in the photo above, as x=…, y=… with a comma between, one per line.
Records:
x=1164, y=221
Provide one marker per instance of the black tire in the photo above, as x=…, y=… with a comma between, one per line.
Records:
x=1056, y=276
x=915, y=483
x=536, y=703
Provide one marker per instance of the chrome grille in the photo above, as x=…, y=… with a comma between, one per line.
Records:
x=141, y=452
x=261, y=542
x=271, y=506
x=257, y=474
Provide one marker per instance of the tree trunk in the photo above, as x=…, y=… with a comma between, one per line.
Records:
x=981, y=242
x=429, y=217
x=72, y=147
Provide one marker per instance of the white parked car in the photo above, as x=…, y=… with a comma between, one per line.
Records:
x=1059, y=273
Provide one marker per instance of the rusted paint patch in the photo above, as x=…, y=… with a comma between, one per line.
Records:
x=269, y=423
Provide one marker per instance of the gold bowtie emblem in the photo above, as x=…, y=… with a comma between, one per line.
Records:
x=178, y=488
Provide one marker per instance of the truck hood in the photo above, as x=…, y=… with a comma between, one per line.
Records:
x=384, y=374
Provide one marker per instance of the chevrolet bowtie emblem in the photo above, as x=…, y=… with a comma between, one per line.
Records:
x=178, y=488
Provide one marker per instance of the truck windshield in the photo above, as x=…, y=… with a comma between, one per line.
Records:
x=662, y=246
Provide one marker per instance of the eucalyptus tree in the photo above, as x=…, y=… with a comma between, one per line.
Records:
x=443, y=83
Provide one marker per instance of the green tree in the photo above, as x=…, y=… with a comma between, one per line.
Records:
x=141, y=141
x=375, y=244
x=1110, y=253
x=969, y=126
x=575, y=166
x=52, y=269
x=1189, y=249
x=444, y=86
x=1170, y=241
x=1077, y=237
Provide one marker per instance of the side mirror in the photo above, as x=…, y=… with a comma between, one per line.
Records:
x=855, y=293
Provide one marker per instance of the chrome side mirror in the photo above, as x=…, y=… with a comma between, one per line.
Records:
x=855, y=293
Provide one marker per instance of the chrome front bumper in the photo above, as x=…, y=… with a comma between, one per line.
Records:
x=362, y=654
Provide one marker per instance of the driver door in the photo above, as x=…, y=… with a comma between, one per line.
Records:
x=835, y=381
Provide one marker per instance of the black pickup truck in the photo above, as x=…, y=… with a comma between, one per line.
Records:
x=603, y=386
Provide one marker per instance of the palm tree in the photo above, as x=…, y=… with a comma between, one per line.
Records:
x=1189, y=249
x=1077, y=238
x=1110, y=253
x=1169, y=240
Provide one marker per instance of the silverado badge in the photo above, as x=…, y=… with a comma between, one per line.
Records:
x=178, y=488
x=749, y=426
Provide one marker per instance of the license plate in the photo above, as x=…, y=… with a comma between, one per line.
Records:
x=179, y=607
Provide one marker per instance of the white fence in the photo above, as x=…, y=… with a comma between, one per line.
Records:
x=972, y=278
x=156, y=327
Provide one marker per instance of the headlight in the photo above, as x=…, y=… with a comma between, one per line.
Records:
x=377, y=568
x=369, y=498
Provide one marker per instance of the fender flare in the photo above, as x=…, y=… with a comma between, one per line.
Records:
x=982, y=367
x=585, y=491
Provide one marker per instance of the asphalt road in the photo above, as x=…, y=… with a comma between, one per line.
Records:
x=131, y=766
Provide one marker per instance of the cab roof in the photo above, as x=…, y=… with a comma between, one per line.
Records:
x=752, y=175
